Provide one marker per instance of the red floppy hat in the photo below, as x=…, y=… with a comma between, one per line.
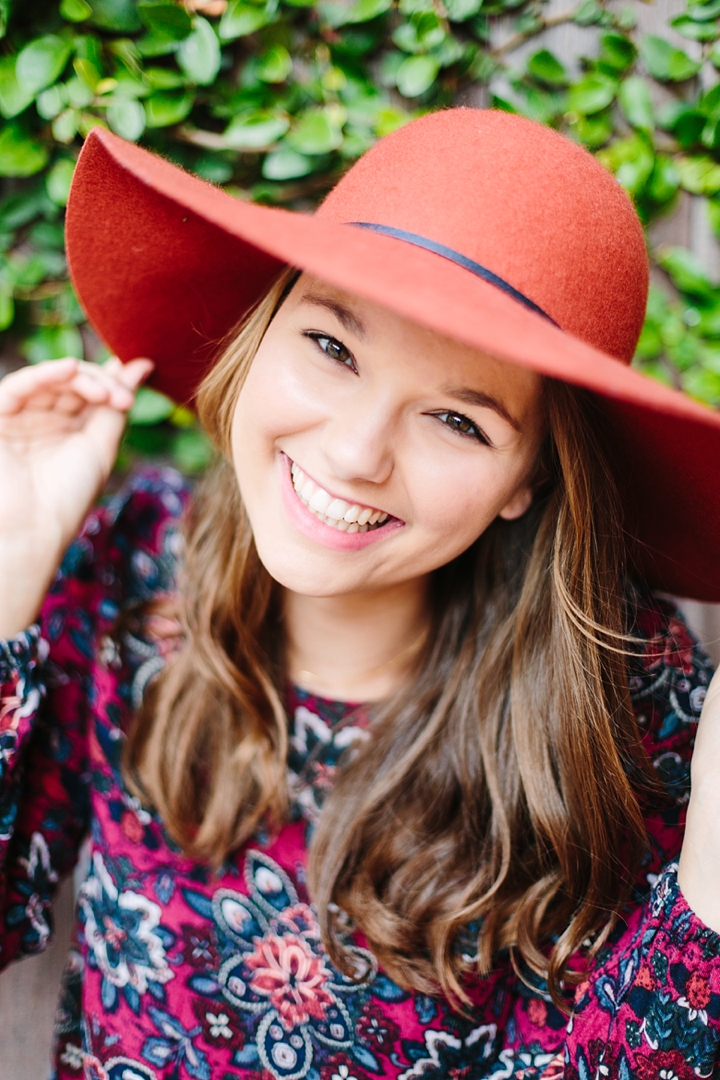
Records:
x=480, y=225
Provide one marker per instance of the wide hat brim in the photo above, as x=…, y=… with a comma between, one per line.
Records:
x=165, y=265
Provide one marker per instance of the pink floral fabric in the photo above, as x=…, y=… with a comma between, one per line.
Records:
x=176, y=972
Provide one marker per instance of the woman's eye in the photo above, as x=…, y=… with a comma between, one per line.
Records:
x=462, y=426
x=334, y=349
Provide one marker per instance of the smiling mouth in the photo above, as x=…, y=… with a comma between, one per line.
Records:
x=337, y=513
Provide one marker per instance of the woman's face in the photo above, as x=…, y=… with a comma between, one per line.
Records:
x=370, y=451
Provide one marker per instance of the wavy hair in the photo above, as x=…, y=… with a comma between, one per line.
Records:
x=499, y=795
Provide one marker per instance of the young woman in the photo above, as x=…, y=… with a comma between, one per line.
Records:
x=381, y=740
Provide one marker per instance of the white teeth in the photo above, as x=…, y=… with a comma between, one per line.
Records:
x=337, y=513
x=337, y=509
x=320, y=501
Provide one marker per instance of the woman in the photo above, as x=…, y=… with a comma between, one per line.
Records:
x=383, y=749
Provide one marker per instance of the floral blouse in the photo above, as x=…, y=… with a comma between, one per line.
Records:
x=177, y=972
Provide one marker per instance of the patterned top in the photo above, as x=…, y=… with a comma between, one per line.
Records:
x=177, y=972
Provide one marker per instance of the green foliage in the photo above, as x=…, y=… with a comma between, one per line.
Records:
x=275, y=98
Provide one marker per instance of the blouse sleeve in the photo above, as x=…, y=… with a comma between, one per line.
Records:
x=48, y=676
x=650, y=1006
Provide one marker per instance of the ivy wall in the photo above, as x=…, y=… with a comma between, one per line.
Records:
x=273, y=99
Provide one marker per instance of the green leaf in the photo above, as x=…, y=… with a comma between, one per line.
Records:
x=199, y=54
x=665, y=62
x=285, y=164
x=316, y=132
x=626, y=18
x=713, y=211
x=686, y=271
x=275, y=65
x=698, y=175
x=664, y=180
x=163, y=78
x=617, y=52
x=13, y=97
x=65, y=126
x=631, y=159
x=88, y=75
x=546, y=67
x=685, y=122
x=423, y=32
x=635, y=101
x=53, y=343
x=78, y=93
x=163, y=18
x=591, y=94
x=75, y=10
x=460, y=10
x=192, y=450
x=416, y=75
x=594, y=131
x=20, y=208
x=635, y=174
x=695, y=31
x=150, y=407
x=7, y=307
x=156, y=45
x=337, y=14
x=164, y=109
x=58, y=180
x=242, y=18
x=255, y=130
x=212, y=167
x=588, y=13
x=42, y=62
x=20, y=155
x=120, y=15
x=126, y=117
x=710, y=102
x=704, y=12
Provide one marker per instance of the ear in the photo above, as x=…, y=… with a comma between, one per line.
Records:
x=518, y=504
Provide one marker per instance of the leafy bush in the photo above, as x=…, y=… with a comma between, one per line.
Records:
x=274, y=98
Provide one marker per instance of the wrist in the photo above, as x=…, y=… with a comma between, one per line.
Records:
x=26, y=572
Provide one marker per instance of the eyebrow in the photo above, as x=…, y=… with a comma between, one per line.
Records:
x=484, y=401
x=343, y=314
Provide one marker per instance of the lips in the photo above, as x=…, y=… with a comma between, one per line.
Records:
x=348, y=517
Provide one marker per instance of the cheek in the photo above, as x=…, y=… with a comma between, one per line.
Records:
x=455, y=506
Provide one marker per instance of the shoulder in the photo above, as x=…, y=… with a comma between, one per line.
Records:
x=668, y=675
x=130, y=544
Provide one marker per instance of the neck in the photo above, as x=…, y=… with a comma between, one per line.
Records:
x=358, y=647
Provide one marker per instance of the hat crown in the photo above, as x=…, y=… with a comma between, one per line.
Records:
x=525, y=203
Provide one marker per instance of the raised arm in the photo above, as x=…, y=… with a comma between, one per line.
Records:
x=60, y=427
x=60, y=424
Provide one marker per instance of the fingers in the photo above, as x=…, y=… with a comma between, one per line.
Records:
x=18, y=386
x=70, y=385
x=132, y=374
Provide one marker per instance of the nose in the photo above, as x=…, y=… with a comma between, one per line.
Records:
x=359, y=439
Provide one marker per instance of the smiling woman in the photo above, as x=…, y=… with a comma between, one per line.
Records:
x=370, y=420
x=383, y=736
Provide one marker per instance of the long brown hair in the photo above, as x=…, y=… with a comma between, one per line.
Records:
x=500, y=790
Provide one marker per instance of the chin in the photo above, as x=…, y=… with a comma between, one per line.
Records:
x=296, y=575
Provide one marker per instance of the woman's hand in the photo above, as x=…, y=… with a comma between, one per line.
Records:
x=699, y=876
x=60, y=427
